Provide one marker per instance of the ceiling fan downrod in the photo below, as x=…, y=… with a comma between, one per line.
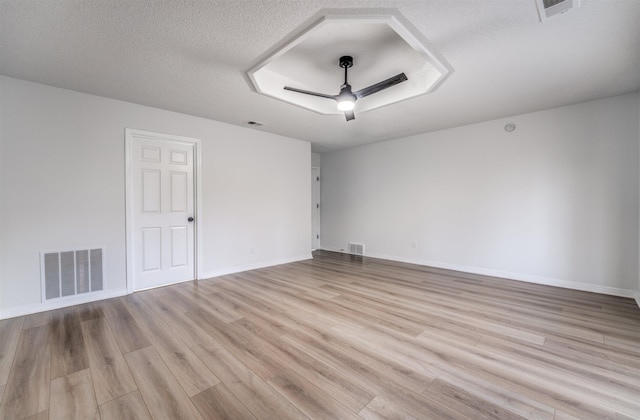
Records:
x=346, y=61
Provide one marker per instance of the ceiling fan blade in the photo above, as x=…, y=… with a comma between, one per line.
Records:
x=308, y=92
x=380, y=85
x=349, y=115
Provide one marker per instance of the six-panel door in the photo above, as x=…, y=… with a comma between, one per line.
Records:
x=163, y=203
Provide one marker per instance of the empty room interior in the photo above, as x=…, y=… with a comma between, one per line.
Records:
x=319, y=209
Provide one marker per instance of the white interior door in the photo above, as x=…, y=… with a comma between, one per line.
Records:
x=161, y=209
x=315, y=208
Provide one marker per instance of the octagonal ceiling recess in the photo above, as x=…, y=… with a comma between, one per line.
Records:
x=381, y=47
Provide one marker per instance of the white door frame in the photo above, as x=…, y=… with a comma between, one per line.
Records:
x=315, y=200
x=130, y=136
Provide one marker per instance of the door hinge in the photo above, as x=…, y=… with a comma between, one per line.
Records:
x=318, y=205
x=318, y=236
x=317, y=178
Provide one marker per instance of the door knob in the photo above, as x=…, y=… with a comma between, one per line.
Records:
x=190, y=219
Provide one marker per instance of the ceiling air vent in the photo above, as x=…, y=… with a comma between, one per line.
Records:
x=551, y=8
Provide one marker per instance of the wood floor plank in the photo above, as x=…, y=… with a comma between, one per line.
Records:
x=68, y=352
x=616, y=359
x=72, y=397
x=542, y=358
x=9, y=336
x=384, y=384
x=382, y=409
x=27, y=389
x=289, y=301
x=166, y=298
x=551, y=387
x=422, y=406
x=473, y=318
x=193, y=375
x=322, y=344
x=43, y=415
x=218, y=402
x=211, y=303
x=240, y=345
x=499, y=394
x=125, y=328
x=127, y=407
x=620, y=416
x=299, y=286
x=349, y=389
x=593, y=358
x=310, y=399
x=467, y=404
x=261, y=400
x=259, y=308
x=627, y=343
x=189, y=332
x=37, y=320
x=560, y=415
x=440, y=358
x=160, y=391
x=137, y=306
x=612, y=393
x=373, y=377
x=86, y=311
x=111, y=375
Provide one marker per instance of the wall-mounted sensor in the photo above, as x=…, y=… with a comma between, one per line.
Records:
x=509, y=127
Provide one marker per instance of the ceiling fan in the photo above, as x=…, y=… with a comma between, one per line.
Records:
x=346, y=99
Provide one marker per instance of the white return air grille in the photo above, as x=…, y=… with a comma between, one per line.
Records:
x=551, y=8
x=356, y=248
x=70, y=273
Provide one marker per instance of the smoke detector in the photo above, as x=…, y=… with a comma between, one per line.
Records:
x=552, y=8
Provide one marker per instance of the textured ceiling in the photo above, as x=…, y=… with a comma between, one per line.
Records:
x=191, y=57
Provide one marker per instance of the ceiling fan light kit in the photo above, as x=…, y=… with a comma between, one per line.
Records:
x=346, y=103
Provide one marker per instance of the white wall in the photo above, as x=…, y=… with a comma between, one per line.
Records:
x=62, y=187
x=315, y=160
x=556, y=201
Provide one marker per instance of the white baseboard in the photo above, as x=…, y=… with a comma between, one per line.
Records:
x=567, y=284
x=254, y=266
x=60, y=303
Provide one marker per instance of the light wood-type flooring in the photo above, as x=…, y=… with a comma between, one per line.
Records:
x=336, y=337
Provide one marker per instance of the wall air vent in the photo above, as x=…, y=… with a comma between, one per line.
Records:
x=551, y=8
x=356, y=248
x=70, y=273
